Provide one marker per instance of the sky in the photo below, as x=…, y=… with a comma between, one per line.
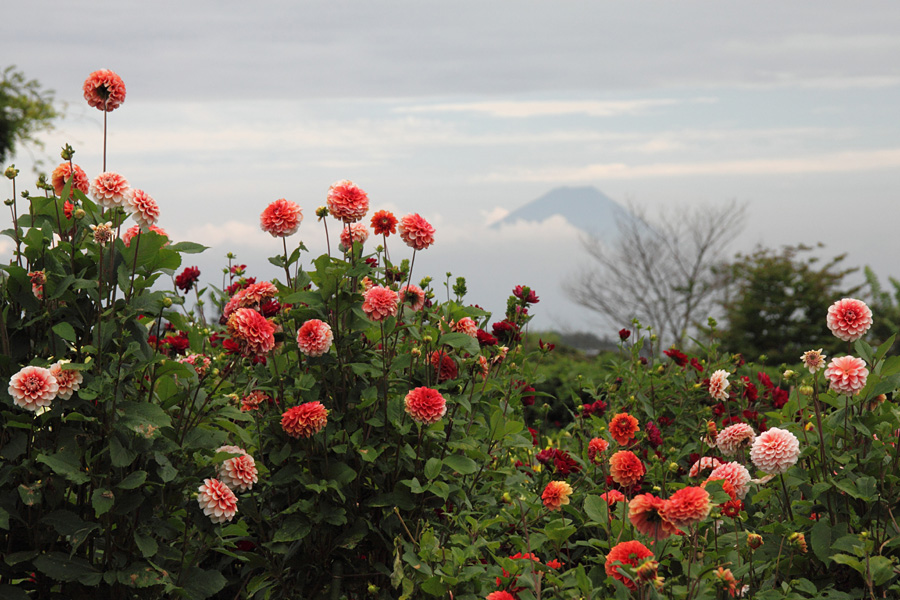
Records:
x=464, y=111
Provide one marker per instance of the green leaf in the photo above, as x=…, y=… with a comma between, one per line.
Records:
x=882, y=569
x=13, y=593
x=102, y=500
x=433, y=468
x=137, y=414
x=202, y=584
x=146, y=544
x=66, y=464
x=119, y=455
x=434, y=586
x=559, y=530
x=844, y=559
x=188, y=247
x=461, y=341
x=596, y=509
x=60, y=567
x=64, y=330
x=133, y=480
x=820, y=540
x=461, y=464
x=293, y=529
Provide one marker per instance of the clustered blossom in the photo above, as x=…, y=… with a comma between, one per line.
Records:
x=68, y=380
x=556, y=494
x=413, y=296
x=645, y=511
x=718, y=385
x=281, y=218
x=314, y=337
x=625, y=468
x=623, y=428
x=384, y=223
x=734, y=438
x=104, y=90
x=813, y=360
x=144, y=209
x=347, y=202
x=379, y=303
x=33, y=387
x=775, y=451
x=217, y=501
x=425, y=405
x=254, y=334
x=849, y=319
x=185, y=280
x=613, y=496
x=239, y=472
x=304, y=420
x=736, y=474
x=530, y=298
x=109, y=189
x=61, y=175
x=847, y=374
x=629, y=553
x=687, y=506
x=354, y=232
x=416, y=232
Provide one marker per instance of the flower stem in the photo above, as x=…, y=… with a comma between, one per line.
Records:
x=287, y=272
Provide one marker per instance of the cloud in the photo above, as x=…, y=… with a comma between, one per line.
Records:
x=230, y=233
x=547, y=108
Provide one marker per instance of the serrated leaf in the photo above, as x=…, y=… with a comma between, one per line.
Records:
x=596, y=509
x=844, y=559
x=461, y=341
x=102, y=500
x=146, y=544
x=461, y=464
x=293, y=529
x=65, y=330
x=882, y=569
x=66, y=464
x=60, y=567
x=203, y=584
x=133, y=480
x=820, y=540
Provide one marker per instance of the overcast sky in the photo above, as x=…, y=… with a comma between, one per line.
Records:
x=463, y=111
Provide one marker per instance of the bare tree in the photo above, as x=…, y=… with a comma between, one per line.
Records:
x=661, y=271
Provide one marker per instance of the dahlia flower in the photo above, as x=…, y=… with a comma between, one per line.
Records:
x=104, y=90
x=239, y=472
x=252, y=400
x=596, y=447
x=735, y=437
x=813, y=360
x=623, y=428
x=314, y=337
x=444, y=366
x=38, y=279
x=33, y=387
x=735, y=473
x=354, y=232
x=613, y=496
x=185, y=280
x=416, y=232
x=626, y=553
x=556, y=495
x=775, y=451
x=500, y=595
x=198, y=361
x=347, y=202
x=61, y=175
x=413, y=296
x=849, y=319
x=379, y=303
x=281, y=218
x=466, y=325
x=625, y=468
x=705, y=462
x=68, y=380
x=109, y=189
x=304, y=420
x=645, y=513
x=384, y=223
x=145, y=211
x=136, y=229
x=687, y=506
x=103, y=233
x=217, y=501
x=847, y=374
x=718, y=384
x=253, y=333
x=425, y=405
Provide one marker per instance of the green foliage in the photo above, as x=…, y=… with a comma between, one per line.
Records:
x=25, y=111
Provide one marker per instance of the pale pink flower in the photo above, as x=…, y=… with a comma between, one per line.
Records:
x=467, y=326
x=314, y=337
x=145, y=211
x=813, y=360
x=253, y=332
x=354, y=232
x=847, y=374
x=281, y=218
x=109, y=189
x=104, y=90
x=718, y=385
x=425, y=405
x=68, y=380
x=416, y=232
x=379, y=303
x=217, y=501
x=346, y=201
x=736, y=474
x=734, y=438
x=61, y=175
x=849, y=319
x=775, y=451
x=38, y=279
x=136, y=229
x=33, y=387
x=705, y=462
x=413, y=296
x=198, y=361
x=239, y=472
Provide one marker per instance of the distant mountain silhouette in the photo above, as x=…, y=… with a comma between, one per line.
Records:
x=586, y=208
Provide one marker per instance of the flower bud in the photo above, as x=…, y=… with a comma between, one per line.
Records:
x=754, y=540
x=798, y=541
x=11, y=172
x=673, y=467
x=789, y=374
x=427, y=339
x=9, y=201
x=416, y=352
x=647, y=571
x=322, y=212
x=67, y=152
x=805, y=390
x=167, y=302
x=78, y=214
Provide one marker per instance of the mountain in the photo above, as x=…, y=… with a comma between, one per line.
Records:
x=587, y=208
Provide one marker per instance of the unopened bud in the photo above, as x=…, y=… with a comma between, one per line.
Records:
x=9, y=201
x=798, y=541
x=167, y=302
x=416, y=352
x=322, y=212
x=67, y=152
x=754, y=540
x=805, y=390
x=427, y=339
x=673, y=467
x=11, y=172
x=78, y=214
x=789, y=374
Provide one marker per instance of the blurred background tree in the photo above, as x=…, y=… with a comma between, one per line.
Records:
x=25, y=111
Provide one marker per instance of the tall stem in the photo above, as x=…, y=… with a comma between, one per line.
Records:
x=287, y=272
x=105, y=103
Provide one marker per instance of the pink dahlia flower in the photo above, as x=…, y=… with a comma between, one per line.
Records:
x=104, y=90
x=686, y=507
x=239, y=472
x=847, y=374
x=556, y=495
x=253, y=333
x=281, y=218
x=775, y=451
x=144, y=209
x=596, y=447
x=718, y=385
x=734, y=438
x=355, y=232
x=304, y=420
x=413, y=296
x=217, y=501
x=736, y=474
x=109, y=190
x=425, y=405
x=68, y=380
x=33, y=387
x=645, y=513
x=314, y=337
x=705, y=462
x=380, y=302
x=198, y=361
x=61, y=175
x=416, y=232
x=136, y=229
x=346, y=202
x=257, y=293
x=467, y=326
x=849, y=319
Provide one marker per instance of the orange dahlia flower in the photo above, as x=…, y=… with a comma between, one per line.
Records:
x=626, y=553
x=556, y=494
x=645, y=513
x=687, y=506
x=304, y=420
x=623, y=428
x=625, y=468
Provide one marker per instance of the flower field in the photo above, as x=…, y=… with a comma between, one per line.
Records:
x=341, y=432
